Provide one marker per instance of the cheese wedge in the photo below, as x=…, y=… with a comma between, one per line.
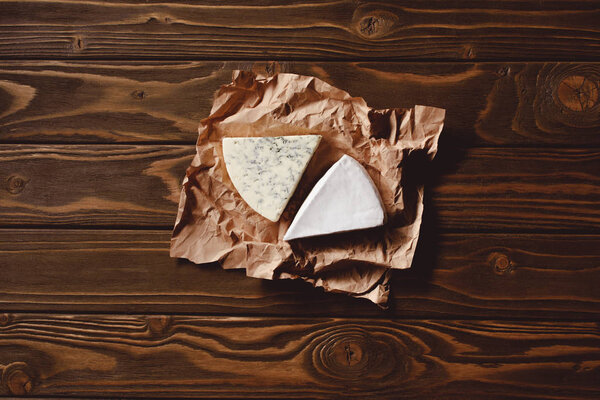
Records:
x=344, y=199
x=266, y=170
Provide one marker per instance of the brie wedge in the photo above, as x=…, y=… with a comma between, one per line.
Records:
x=266, y=170
x=344, y=199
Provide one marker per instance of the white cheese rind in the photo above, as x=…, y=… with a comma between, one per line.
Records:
x=344, y=199
x=266, y=170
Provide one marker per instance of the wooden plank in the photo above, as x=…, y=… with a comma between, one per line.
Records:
x=453, y=275
x=397, y=30
x=487, y=103
x=79, y=103
x=181, y=356
x=513, y=189
x=127, y=185
x=91, y=185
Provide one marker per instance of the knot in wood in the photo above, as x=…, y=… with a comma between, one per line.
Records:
x=349, y=353
x=578, y=93
x=375, y=24
x=138, y=94
x=346, y=355
x=5, y=319
x=15, y=184
x=370, y=26
x=501, y=263
x=154, y=20
x=567, y=100
x=503, y=71
x=77, y=44
x=352, y=355
x=159, y=324
x=17, y=379
x=469, y=53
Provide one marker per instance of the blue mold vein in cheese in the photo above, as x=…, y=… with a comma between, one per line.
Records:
x=266, y=170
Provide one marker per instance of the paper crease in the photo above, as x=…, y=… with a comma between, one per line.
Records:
x=214, y=223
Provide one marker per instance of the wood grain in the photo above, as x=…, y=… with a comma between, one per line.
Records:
x=487, y=104
x=177, y=356
x=99, y=107
x=390, y=30
x=92, y=185
x=138, y=186
x=453, y=275
x=513, y=189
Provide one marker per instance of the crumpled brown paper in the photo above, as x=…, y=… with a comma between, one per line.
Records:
x=215, y=224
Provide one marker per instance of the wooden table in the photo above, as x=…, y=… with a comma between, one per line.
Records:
x=99, y=106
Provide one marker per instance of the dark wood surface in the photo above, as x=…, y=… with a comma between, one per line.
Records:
x=488, y=104
x=347, y=29
x=188, y=356
x=454, y=275
x=500, y=189
x=99, y=107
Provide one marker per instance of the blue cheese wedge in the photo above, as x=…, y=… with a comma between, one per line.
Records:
x=344, y=199
x=266, y=170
